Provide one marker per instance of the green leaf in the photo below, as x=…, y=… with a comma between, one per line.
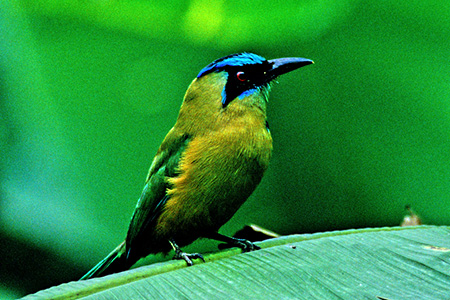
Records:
x=385, y=263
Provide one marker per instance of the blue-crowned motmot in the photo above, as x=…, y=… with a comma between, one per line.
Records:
x=208, y=164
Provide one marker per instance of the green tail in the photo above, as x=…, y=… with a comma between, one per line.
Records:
x=115, y=262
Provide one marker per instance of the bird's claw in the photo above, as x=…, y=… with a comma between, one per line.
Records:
x=188, y=257
x=244, y=244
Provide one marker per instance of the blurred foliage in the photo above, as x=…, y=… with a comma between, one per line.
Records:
x=89, y=89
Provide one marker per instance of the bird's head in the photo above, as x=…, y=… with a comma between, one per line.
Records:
x=236, y=80
x=248, y=73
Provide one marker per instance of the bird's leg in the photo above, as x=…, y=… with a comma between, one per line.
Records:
x=244, y=244
x=188, y=257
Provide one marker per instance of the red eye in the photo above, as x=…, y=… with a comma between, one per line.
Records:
x=241, y=76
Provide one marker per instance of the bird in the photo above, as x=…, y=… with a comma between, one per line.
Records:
x=208, y=164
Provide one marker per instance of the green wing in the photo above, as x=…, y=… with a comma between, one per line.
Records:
x=153, y=197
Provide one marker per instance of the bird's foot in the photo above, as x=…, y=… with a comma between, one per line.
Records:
x=188, y=257
x=244, y=244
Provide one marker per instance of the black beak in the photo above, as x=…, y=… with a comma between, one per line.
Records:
x=281, y=66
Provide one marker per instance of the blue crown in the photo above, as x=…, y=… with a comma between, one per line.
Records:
x=233, y=60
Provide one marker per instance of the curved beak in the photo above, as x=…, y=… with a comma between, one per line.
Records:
x=281, y=66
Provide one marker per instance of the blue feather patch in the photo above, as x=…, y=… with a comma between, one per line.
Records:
x=247, y=93
x=233, y=60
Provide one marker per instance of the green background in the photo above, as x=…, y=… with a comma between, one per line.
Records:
x=88, y=90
